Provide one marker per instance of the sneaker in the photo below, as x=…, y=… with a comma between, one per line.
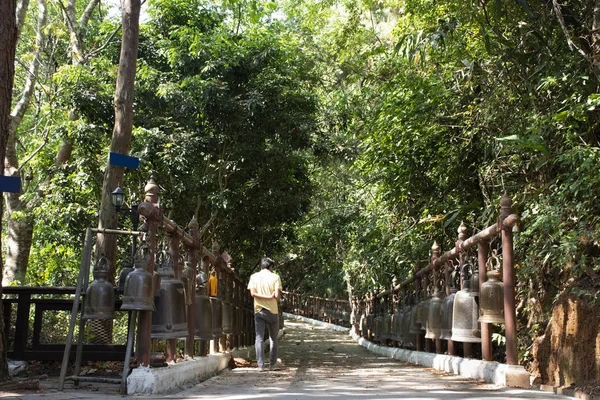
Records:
x=260, y=369
x=277, y=365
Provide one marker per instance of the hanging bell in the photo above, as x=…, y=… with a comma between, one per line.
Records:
x=491, y=300
x=203, y=318
x=378, y=327
x=217, y=317
x=100, y=294
x=474, y=283
x=203, y=321
x=423, y=310
x=465, y=313
x=169, y=321
x=446, y=311
x=415, y=325
x=187, y=277
x=409, y=339
x=434, y=322
x=387, y=327
x=228, y=317
x=127, y=268
x=137, y=291
x=446, y=315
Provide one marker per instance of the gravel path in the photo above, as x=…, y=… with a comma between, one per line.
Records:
x=322, y=364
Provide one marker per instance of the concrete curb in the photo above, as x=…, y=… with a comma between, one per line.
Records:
x=144, y=380
x=490, y=372
x=316, y=322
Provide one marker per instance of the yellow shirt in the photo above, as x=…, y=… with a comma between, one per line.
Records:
x=265, y=283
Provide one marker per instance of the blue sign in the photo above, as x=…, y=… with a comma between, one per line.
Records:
x=10, y=184
x=121, y=160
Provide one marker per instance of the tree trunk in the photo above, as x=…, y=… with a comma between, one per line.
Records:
x=20, y=220
x=8, y=42
x=121, y=138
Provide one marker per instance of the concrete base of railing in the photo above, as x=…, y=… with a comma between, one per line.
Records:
x=144, y=380
x=490, y=372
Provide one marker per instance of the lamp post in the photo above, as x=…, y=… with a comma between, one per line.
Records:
x=118, y=200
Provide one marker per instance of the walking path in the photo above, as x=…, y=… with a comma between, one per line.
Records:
x=323, y=364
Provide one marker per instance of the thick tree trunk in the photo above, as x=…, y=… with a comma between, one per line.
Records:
x=8, y=42
x=20, y=220
x=121, y=138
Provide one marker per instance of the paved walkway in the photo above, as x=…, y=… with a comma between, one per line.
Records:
x=322, y=364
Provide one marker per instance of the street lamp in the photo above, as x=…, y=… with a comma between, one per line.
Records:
x=118, y=200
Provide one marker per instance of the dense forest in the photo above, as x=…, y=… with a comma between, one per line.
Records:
x=339, y=137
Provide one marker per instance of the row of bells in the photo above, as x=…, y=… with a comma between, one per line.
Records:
x=456, y=317
x=168, y=297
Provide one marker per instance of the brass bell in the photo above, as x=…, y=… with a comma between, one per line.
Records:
x=203, y=316
x=203, y=320
x=434, y=322
x=409, y=339
x=169, y=321
x=474, y=283
x=187, y=277
x=127, y=268
x=228, y=317
x=378, y=328
x=415, y=325
x=217, y=317
x=387, y=326
x=423, y=310
x=448, y=306
x=137, y=291
x=100, y=294
x=465, y=327
x=491, y=298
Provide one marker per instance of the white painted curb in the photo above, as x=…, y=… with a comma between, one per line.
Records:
x=144, y=380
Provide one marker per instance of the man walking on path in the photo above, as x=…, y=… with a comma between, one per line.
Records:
x=265, y=288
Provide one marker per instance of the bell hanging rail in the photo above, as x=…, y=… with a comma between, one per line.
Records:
x=78, y=305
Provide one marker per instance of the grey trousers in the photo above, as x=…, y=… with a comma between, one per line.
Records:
x=261, y=319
